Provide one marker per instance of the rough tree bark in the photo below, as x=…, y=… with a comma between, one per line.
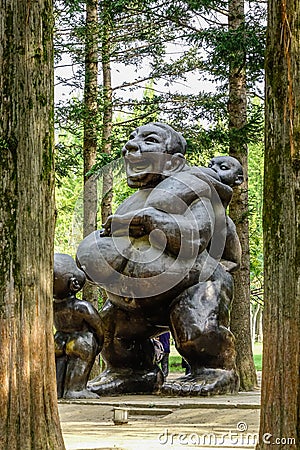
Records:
x=280, y=408
x=28, y=406
x=90, y=139
x=237, y=110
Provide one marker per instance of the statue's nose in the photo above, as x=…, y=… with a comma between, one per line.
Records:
x=131, y=147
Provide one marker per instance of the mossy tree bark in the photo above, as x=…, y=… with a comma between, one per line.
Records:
x=28, y=405
x=280, y=408
x=237, y=110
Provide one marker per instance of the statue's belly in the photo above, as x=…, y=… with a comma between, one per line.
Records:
x=136, y=273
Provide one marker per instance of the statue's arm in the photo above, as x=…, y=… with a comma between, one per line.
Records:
x=181, y=234
x=93, y=320
x=184, y=233
x=232, y=253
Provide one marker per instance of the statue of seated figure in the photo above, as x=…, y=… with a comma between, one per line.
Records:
x=79, y=334
x=160, y=258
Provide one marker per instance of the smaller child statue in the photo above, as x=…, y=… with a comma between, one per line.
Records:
x=78, y=337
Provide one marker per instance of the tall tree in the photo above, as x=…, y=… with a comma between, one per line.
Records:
x=239, y=210
x=90, y=119
x=90, y=134
x=280, y=402
x=107, y=116
x=28, y=406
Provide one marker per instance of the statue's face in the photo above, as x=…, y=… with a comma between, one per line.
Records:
x=145, y=156
x=229, y=170
x=67, y=277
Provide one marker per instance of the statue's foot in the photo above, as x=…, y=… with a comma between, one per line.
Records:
x=85, y=393
x=204, y=383
x=126, y=382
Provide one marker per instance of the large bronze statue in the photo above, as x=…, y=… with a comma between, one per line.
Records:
x=79, y=334
x=164, y=260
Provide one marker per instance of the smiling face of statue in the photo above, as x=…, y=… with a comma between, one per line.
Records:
x=229, y=170
x=149, y=153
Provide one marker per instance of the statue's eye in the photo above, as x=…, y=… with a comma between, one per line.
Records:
x=224, y=167
x=151, y=139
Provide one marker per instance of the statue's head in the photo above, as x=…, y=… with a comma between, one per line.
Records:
x=67, y=277
x=153, y=152
x=229, y=170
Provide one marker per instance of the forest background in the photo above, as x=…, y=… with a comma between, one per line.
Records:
x=197, y=65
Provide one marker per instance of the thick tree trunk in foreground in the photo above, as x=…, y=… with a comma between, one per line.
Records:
x=90, y=200
x=237, y=110
x=280, y=409
x=28, y=406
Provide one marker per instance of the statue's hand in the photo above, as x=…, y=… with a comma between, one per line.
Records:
x=106, y=230
x=134, y=223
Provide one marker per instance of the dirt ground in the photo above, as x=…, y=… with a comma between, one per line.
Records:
x=156, y=422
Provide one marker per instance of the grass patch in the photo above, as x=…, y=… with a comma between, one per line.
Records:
x=257, y=355
x=258, y=361
x=175, y=360
x=175, y=364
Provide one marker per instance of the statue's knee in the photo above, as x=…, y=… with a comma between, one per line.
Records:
x=83, y=346
x=101, y=258
x=59, y=344
x=59, y=351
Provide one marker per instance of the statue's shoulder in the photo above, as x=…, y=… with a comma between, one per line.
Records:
x=177, y=192
x=213, y=180
x=190, y=179
x=84, y=307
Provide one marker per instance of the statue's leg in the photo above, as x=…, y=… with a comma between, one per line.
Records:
x=103, y=258
x=199, y=322
x=81, y=350
x=128, y=354
x=60, y=362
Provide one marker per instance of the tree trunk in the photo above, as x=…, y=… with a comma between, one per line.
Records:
x=237, y=109
x=280, y=409
x=90, y=203
x=107, y=192
x=28, y=406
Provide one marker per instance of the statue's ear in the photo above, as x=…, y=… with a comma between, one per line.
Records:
x=74, y=284
x=175, y=164
x=239, y=180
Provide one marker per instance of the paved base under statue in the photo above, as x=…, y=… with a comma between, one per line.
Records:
x=160, y=422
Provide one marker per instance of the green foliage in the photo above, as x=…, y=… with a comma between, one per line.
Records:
x=68, y=157
x=255, y=173
x=121, y=192
x=69, y=116
x=68, y=193
x=203, y=143
x=140, y=32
